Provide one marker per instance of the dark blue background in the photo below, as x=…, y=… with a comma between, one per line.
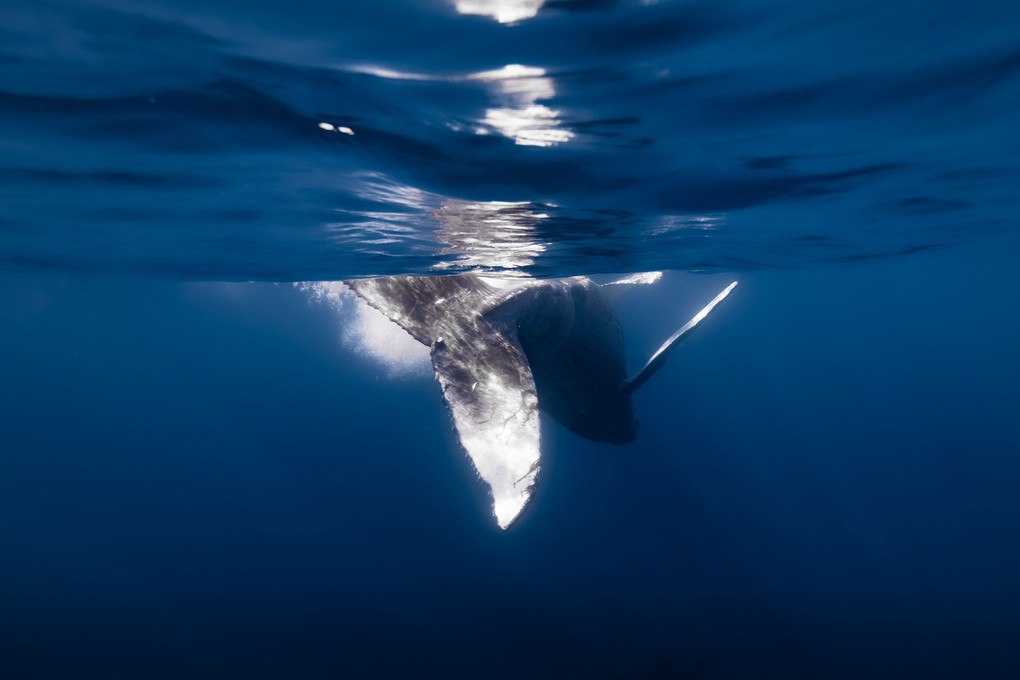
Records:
x=202, y=480
x=198, y=479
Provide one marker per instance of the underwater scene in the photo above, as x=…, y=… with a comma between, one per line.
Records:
x=335, y=335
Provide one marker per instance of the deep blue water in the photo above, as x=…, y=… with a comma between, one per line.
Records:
x=202, y=474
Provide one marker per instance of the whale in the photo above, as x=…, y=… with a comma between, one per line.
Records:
x=504, y=349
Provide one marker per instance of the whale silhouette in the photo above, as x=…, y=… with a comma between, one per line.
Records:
x=504, y=348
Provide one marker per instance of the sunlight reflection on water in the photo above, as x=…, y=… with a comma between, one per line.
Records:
x=521, y=118
x=489, y=235
x=503, y=11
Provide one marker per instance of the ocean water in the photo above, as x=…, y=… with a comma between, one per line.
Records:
x=209, y=471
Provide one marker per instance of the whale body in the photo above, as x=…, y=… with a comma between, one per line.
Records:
x=504, y=348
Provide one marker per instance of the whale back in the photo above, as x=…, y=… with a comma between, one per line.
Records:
x=572, y=338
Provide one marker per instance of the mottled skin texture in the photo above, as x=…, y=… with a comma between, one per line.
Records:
x=505, y=348
x=567, y=329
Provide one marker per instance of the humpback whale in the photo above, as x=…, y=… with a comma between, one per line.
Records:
x=504, y=348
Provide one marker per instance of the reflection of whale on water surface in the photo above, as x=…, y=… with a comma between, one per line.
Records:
x=503, y=348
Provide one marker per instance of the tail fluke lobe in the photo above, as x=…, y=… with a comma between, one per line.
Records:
x=659, y=358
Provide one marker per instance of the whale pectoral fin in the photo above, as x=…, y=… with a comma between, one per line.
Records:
x=423, y=305
x=489, y=389
x=614, y=290
x=659, y=358
x=482, y=370
x=638, y=279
